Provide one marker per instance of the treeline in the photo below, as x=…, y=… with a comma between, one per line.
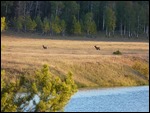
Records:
x=126, y=18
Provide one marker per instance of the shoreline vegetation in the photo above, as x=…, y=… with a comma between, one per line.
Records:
x=22, y=54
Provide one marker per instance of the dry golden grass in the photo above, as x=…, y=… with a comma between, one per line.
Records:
x=89, y=66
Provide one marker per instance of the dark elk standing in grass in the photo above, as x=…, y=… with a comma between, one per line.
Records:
x=44, y=47
x=97, y=48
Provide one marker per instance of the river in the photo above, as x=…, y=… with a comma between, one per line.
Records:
x=120, y=99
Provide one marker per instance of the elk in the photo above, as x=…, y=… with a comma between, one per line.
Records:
x=97, y=48
x=44, y=47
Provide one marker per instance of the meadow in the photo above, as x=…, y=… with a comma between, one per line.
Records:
x=22, y=54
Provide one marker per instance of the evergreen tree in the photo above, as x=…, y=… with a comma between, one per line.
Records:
x=30, y=25
x=53, y=93
x=46, y=25
x=6, y=9
x=93, y=28
x=129, y=17
x=89, y=24
x=120, y=15
x=18, y=23
x=110, y=20
x=33, y=25
x=39, y=23
x=56, y=7
x=56, y=27
x=76, y=26
x=63, y=27
x=71, y=8
x=7, y=95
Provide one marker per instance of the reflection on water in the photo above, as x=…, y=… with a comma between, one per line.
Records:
x=111, y=100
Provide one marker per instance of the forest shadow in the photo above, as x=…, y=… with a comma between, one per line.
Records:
x=100, y=37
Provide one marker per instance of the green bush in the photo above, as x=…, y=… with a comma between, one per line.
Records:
x=117, y=53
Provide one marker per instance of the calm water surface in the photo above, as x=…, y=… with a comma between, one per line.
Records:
x=123, y=99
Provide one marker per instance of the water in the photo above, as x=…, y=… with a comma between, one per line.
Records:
x=123, y=99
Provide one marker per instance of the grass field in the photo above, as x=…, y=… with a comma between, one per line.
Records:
x=22, y=54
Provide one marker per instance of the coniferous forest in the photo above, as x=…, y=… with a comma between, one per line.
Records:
x=126, y=18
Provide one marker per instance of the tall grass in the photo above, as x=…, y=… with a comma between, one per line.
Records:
x=142, y=68
x=90, y=68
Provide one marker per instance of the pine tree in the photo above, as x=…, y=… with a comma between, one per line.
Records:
x=93, y=28
x=63, y=27
x=56, y=27
x=53, y=92
x=39, y=23
x=110, y=20
x=120, y=15
x=71, y=8
x=129, y=17
x=30, y=25
x=33, y=25
x=56, y=7
x=18, y=23
x=89, y=24
x=7, y=95
x=46, y=25
x=76, y=26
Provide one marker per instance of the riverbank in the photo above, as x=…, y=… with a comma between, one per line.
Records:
x=90, y=67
